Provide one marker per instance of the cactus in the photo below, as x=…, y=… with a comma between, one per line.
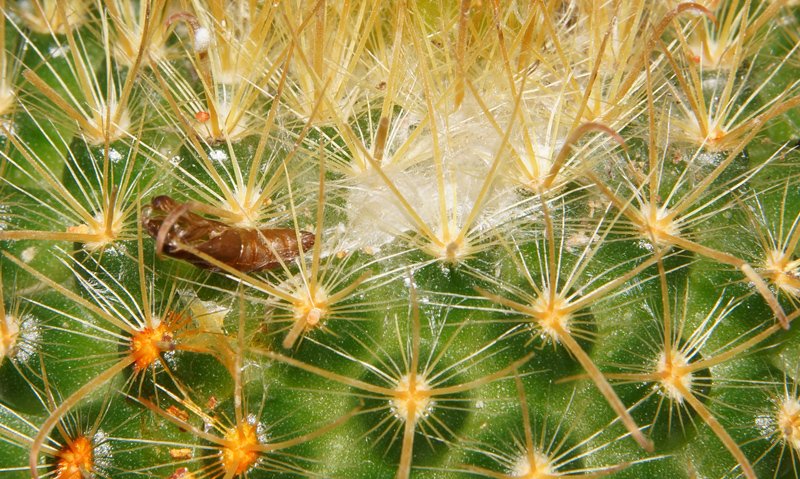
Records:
x=407, y=239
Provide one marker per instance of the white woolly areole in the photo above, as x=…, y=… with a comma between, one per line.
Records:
x=202, y=39
x=20, y=338
x=8, y=339
x=376, y=216
x=541, y=467
x=789, y=422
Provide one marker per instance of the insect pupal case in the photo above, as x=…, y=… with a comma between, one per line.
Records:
x=246, y=249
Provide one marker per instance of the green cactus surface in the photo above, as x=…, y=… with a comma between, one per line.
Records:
x=364, y=239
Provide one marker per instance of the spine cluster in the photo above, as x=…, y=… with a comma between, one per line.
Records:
x=400, y=239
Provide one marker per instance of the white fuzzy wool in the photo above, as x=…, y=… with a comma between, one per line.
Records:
x=202, y=39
